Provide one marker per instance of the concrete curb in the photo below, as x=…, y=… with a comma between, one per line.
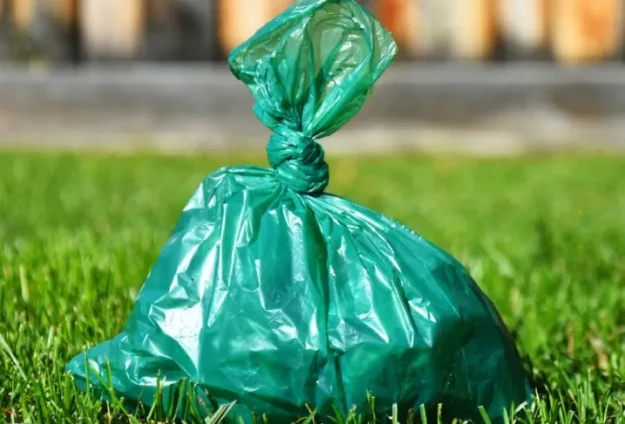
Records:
x=437, y=107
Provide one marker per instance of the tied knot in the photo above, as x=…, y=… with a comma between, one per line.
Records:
x=298, y=161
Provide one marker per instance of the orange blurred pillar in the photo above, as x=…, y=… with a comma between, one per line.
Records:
x=47, y=26
x=4, y=27
x=473, y=29
x=64, y=11
x=22, y=14
x=240, y=19
x=25, y=12
x=433, y=27
x=112, y=29
x=464, y=29
x=400, y=17
x=525, y=25
x=587, y=30
x=278, y=6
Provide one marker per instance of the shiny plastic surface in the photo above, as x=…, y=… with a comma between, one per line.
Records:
x=278, y=295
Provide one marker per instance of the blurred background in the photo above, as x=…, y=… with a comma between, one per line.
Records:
x=82, y=31
x=479, y=75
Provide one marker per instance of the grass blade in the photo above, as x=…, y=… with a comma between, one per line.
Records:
x=221, y=414
x=484, y=415
x=424, y=414
x=7, y=350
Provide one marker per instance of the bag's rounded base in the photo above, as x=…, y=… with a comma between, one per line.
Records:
x=280, y=300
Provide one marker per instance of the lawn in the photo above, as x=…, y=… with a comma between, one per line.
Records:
x=544, y=237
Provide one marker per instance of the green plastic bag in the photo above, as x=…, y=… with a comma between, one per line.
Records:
x=271, y=293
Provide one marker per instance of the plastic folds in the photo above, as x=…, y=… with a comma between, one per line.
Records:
x=272, y=293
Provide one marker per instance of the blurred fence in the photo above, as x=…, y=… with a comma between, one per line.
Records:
x=77, y=31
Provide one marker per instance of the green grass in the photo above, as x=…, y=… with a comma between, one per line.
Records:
x=544, y=237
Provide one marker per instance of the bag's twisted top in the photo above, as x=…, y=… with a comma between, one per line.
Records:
x=310, y=71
